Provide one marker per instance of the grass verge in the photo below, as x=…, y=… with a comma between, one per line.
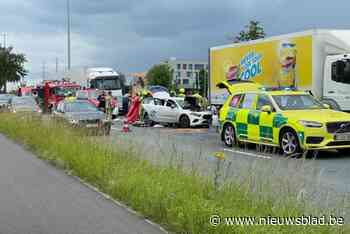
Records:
x=180, y=201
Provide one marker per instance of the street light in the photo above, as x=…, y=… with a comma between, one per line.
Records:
x=4, y=37
x=68, y=36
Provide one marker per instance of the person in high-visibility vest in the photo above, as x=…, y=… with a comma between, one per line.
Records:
x=108, y=105
x=70, y=97
x=182, y=93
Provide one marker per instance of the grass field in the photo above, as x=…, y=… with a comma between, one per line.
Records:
x=181, y=201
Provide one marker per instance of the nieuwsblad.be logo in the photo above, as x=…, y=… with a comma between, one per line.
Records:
x=250, y=66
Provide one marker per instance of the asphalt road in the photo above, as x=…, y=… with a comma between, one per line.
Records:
x=324, y=181
x=37, y=198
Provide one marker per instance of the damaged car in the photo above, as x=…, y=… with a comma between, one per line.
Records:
x=83, y=114
x=184, y=112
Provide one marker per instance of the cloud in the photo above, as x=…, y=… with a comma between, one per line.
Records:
x=131, y=35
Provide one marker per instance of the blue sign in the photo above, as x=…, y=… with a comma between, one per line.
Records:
x=250, y=66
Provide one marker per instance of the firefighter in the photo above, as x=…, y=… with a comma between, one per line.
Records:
x=145, y=93
x=102, y=101
x=182, y=92
x=109, y=105
x=70, y=97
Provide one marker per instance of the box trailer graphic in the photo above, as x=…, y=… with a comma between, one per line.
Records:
x=315, y=60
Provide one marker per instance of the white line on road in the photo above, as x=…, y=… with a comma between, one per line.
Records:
x=248, y=154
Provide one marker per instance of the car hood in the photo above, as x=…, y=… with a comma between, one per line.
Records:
x=321, y=115
x=4, y=102
x=85, y=115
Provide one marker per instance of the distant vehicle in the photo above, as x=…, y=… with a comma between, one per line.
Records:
x=23, y=104
x=50, y=93
x=185, y=112
x=5, y=100
x=158, y=91
x=83, y=114
x=294, y=121
x=103, y=79
x=92, y=96
x=25, y=91
x=316, y=61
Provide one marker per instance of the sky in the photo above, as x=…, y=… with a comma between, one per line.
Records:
x=133, y=35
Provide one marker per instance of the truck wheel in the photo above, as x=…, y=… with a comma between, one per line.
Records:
x=332, y=104
x=184, y=122
x=289, y=143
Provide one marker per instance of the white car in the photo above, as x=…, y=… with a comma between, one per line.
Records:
x=185, y=112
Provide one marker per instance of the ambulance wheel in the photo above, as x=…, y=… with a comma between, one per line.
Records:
x=228, y=135
x=289, y=143
x=184, y=122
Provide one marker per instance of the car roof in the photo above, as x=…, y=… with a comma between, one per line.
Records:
x=274, y=92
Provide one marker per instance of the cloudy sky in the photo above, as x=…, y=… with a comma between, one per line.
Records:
x=131, y=35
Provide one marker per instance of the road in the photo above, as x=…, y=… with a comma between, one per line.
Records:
x=37, y=198
x=323, y=181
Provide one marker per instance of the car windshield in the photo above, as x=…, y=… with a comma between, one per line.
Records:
x=82, y=95
x=30, y=102
x=297, y=102
x=80, y=107
x=106, y=83
x=181, y=102
x=5, y=97
x=64, y=91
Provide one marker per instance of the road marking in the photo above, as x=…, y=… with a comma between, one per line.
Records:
x=248, y=154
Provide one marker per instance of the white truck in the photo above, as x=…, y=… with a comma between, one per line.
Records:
x=316, y=60
x=101, y=78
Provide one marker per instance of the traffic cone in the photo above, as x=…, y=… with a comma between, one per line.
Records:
x=126, y=126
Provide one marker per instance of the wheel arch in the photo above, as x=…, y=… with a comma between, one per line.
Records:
x=223, y=127
x=285, y=128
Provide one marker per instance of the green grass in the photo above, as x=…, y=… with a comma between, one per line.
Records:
x=180, y=201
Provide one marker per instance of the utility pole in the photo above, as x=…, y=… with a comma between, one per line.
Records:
x=56, y=65
x=44, y=70
x=4, y=38
x=68, y=36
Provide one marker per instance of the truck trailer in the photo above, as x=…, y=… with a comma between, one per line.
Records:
x=317, y=61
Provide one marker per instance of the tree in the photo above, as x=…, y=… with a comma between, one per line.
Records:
x=253, y=31
x=160, y=74
x=11, y=66
x=203, y=82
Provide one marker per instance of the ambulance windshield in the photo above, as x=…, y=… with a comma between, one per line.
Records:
x=297, y=102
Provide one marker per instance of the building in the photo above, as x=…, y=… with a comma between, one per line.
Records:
x=186, y=72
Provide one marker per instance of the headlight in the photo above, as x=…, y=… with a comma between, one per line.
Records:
x=196, y=114
x=310, y=124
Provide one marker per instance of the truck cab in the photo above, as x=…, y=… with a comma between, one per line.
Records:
x=336, y=86
x=107, y=79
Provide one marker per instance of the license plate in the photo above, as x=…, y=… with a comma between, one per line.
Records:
x=92, y=125
x=342, y=137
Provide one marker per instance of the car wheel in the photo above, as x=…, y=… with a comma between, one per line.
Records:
x=147, y=120
x=289, y=143
x=184, y=122
x=229, y=136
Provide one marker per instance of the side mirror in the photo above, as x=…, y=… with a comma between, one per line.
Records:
x=266, y=108
x=173, y=106
x=326, y=106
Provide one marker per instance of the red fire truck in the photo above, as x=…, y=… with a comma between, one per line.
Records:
x=50, y=93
